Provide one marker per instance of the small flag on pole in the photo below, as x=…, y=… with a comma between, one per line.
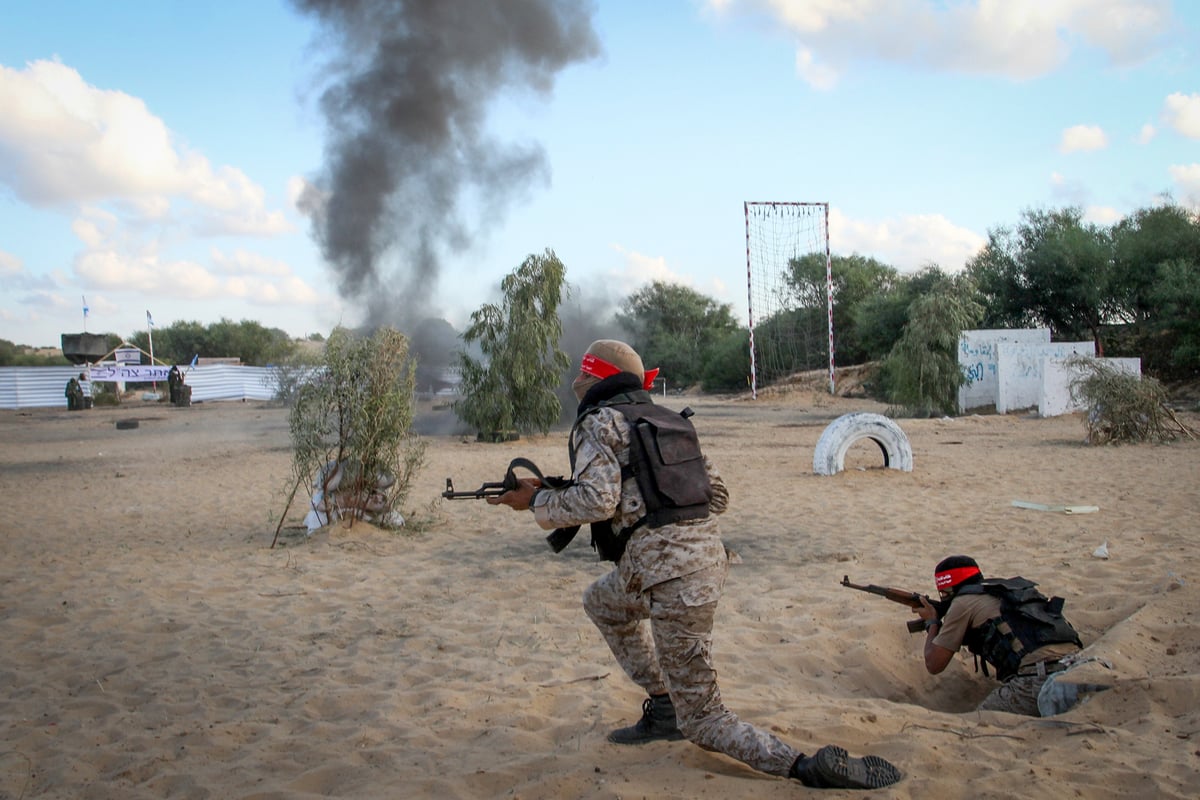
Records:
x=149, y=319
x=195, y=358
x=85, y=307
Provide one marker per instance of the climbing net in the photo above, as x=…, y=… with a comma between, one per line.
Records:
x=788, y=332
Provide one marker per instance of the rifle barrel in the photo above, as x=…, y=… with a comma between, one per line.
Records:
x=491, y=489
x=902, y=596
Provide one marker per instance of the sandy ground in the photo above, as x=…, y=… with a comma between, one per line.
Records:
x=153, y=643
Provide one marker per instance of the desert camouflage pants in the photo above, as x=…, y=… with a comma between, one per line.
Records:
x=673, y=653
x=1018, y=695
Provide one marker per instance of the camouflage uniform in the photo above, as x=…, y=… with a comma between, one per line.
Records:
x=1019, y=694
x=673, y=577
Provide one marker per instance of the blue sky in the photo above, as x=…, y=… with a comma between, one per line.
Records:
x=152, y=153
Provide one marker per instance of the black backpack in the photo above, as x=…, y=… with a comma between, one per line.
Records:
x=665, y=460
x=1028, y=620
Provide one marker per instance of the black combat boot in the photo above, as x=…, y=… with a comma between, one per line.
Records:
x=657, y=723
x=833, y=768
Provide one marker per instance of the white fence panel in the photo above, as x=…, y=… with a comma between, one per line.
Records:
x=230, y=382
x=44, y=387
x=35, y=387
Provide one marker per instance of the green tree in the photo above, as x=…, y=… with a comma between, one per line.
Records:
x=1157, y=268
x=356, y=415
x=1068, y=267
x=1053, y=269
x=792, y=340
x=253, y=343
x=513, y=389
x=1142, y=242
x=14, y=355
x=855, y=279
x=879, y=319
x=247, y=340
x=922, y=374
x=674, y=328
x=177, y=343
x=1176, y=296
x=728, y=366
x=1002, y=287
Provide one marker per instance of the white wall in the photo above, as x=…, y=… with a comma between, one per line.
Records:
x=1055, y=396
x=1019, y=369
x=977, y=357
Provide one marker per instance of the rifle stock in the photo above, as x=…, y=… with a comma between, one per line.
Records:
x=901, y=596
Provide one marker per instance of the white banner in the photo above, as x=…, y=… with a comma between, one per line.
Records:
x=131, y=373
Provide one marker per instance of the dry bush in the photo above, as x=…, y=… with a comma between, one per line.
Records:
x=1122, y=407
x=351, y=426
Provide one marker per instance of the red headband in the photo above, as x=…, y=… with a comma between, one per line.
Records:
x=953, y=577
x=599, y=368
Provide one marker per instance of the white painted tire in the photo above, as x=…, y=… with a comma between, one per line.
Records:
x=829, y=458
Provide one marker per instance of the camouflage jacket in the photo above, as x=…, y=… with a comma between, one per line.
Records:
x=653, y=555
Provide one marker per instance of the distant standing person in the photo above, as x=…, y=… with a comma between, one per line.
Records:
x=85, y=391
x=74, y=393
x=174, y=381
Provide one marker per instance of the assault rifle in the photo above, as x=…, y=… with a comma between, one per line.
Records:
x=487, y=489
x=497, y=488
x=902, y=596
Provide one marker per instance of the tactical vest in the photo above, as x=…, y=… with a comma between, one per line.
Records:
x=666, y=462
x=1028, y=620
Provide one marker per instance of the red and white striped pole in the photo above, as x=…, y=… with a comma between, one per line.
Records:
x=750, y=307
x=829, y=297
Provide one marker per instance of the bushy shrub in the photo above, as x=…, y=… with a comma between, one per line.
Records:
x=1122, y=407
x=353, y=420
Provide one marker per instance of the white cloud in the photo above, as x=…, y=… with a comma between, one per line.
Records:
x=95, y=226
x=1187, y=178
x=64, y=142
x=1102, y=215
x=288, y=291
x=146, y=274
x=1182, y=112
x=818, y=76
x=1083, y=138
x=640, y=270
x=243, y=262
x=9, y=265
x=116, y=264
x=1069, y=191
x=139, y=197
x=1146, y=134
x=1018, y=39
x=15, y=278
x=44, y=299
x=908, y=242
x=1126, y=30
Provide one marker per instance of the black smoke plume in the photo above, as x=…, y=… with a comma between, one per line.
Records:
x=410, y=172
